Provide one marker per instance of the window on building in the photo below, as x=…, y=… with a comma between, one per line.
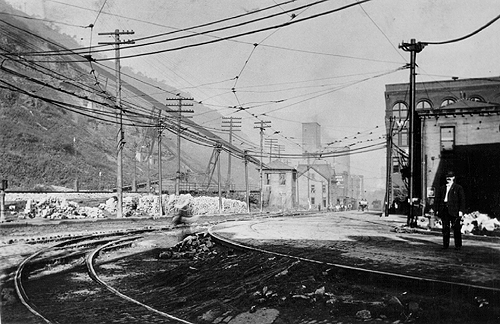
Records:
x=424, y=104
x=395, y=164
x=313, y=201
x=477, y=98
x=323, y=188
x=313, y=188
x=268, y=178
x=400, y=111
x=447, y=102
x=403, y=137
x=447, y=138
x=324, y=203
x=282, y=179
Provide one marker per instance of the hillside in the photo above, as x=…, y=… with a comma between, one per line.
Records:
x=58, y=121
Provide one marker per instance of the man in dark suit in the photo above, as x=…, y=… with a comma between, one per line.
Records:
x=451, y=207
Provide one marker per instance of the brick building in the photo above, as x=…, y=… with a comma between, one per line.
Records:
x=457, y=127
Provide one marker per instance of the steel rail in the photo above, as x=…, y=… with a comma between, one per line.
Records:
x=18, y=277
x=93, y=274
x=433, y=282
x=23, y=296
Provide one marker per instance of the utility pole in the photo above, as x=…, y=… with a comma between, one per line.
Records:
x=134, y=179
x=3, y=186
x=272, y=143
x=160, y=127
x=179, y=104
x=148, y=162
x=121, y=137
x=388, y=177
x=230, y=124
x=247, y=190
x=219, y=188
x=263, y=125
x=413, y=47
x=280, y=148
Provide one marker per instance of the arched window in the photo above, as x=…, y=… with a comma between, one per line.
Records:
x=424, y=104
x=477, y=98
x=447, y=102
x=400, y=111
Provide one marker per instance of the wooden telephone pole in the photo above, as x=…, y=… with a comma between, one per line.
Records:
x=121, y=136
x=230, y=124
x=413, y=47
x=273, y=144
x=261, y=125
x=179, y=104
x=161, y=126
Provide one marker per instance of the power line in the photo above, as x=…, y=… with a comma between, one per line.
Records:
x=73, y=51
x=292, y=22
x=463, y=37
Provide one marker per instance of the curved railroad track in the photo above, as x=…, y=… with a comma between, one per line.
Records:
x=50, y=309
x=425, y=281
x=232, y=280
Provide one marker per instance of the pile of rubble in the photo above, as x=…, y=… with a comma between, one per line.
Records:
x=59, y=208
x=133, y=206
x=478, y=222
x=196, y=246
x=148, y=205
x=474, y=222
x=129, y=206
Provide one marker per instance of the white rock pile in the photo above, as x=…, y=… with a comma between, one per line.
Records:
x=473, y=222
x=59, y=208
x=133, y=206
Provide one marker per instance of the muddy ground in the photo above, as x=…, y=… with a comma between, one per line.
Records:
x=219, y=284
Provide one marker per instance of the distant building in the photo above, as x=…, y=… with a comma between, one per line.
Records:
x=311, y=138
x=280, y=185
x=342, y=160
x=315, y=185
x=458, y=128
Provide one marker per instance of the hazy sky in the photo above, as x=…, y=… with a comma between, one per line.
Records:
x=331, y=69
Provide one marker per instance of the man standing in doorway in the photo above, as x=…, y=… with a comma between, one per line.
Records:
x=451, y=206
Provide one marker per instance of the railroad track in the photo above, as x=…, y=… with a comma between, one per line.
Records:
x=49, y=308
x=233, y=280
x=425, y=282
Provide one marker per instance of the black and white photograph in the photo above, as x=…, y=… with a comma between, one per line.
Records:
x=249, y=162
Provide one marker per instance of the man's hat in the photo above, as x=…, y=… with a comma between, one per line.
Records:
x=450, y=174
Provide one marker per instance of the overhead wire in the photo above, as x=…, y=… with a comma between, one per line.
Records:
x=295, y=21
x=465, y=36
x=78, y=109
x=384, y=34
x=76, y=50
x=328, y=91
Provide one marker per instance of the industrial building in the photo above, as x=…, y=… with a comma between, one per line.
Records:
x=457, y=127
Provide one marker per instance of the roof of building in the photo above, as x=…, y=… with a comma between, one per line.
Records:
x=448, y=83
x=278, y=165
x=467, y=104
x=462, y=106
x=323, y=169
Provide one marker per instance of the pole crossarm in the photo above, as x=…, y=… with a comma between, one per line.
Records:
x=179, y=112
x=413, y=47
x=234, y=149
x=230, y=124
x=121, y=134
x=263, y=125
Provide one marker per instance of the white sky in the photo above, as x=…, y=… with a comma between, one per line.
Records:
x=293, y=64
